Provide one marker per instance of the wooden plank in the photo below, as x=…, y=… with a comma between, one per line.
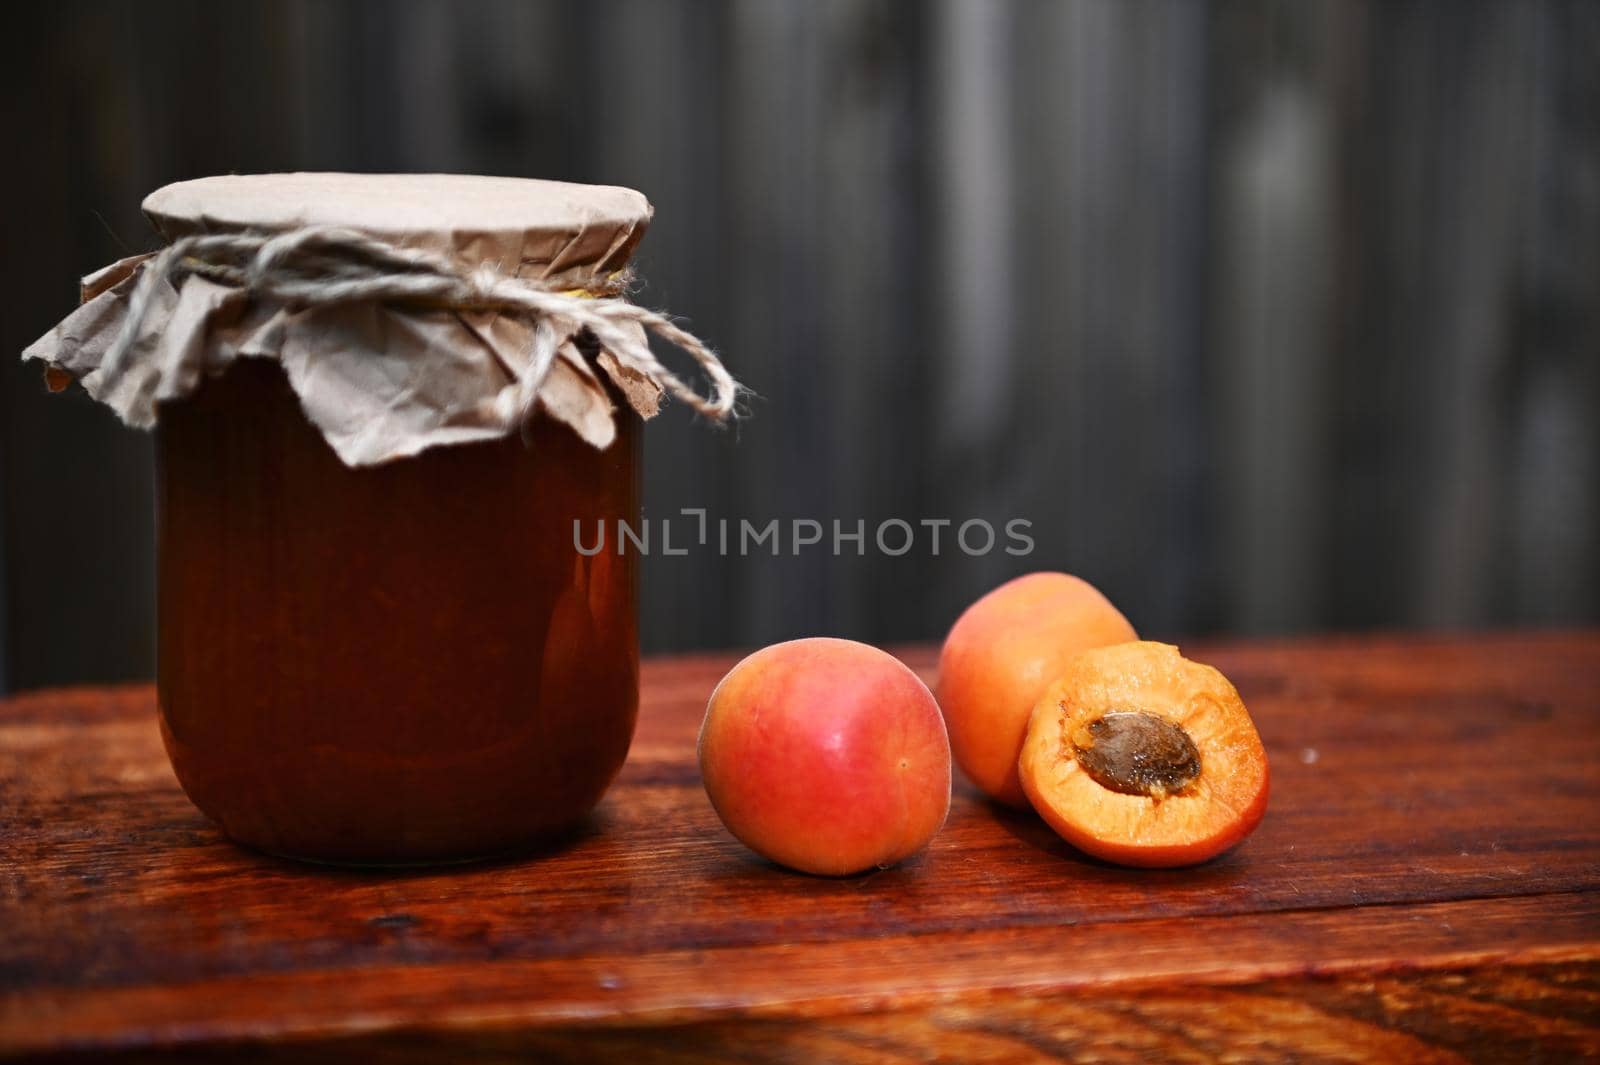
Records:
x=79, y=558
x=1005, y=971
x=662, y=105
x=1553, y=442
x=1432, y=814
x=1272, y=304
x=1106, y=434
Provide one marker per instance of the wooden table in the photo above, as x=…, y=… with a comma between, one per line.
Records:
x=1426, y=886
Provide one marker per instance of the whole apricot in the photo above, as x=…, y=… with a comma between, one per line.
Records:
x=998, y=659
x=1139, y=756
x=827, y=756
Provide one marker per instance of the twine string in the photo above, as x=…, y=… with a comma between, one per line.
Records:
x=322, y=266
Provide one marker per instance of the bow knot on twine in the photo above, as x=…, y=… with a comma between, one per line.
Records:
x=321, y=266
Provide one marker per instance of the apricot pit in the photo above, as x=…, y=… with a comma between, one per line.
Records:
x=1135, y=753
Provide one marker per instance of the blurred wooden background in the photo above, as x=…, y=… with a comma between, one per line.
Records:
x=1268, y=316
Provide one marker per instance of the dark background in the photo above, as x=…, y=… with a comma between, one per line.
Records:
x=1269, y=316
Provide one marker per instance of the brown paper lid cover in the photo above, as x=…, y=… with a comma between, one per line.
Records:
x=525, y=226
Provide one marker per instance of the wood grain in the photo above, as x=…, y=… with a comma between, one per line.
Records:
x=1426, y=885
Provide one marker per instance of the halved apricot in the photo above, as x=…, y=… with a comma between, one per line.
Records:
x=1141, y=757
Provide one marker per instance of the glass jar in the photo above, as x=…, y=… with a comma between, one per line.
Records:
x=387, y=407
x=409, y=662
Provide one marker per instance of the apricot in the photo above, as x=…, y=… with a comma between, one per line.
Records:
x=1139, y=756
x=998, y=659
x=827, y=756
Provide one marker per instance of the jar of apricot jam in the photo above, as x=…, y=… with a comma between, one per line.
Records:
x=403, y=663
x=379, y=641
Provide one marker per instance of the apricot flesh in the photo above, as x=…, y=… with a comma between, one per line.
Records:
x=1139, y=756
x=826, y=756
x=997, y=660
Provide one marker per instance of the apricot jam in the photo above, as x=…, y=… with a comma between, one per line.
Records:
x=402, y=663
